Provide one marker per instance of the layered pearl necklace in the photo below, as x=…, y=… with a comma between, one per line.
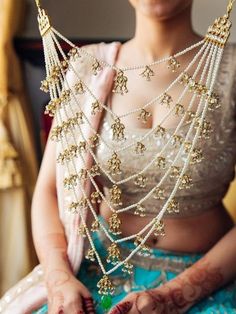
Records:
x=65, y=106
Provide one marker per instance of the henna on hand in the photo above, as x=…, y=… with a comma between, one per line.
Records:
x=88, y=305
x=122, y=308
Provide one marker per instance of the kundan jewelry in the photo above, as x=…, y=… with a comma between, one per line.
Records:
x=68, y=124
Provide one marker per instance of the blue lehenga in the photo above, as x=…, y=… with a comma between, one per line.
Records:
x=148, y=273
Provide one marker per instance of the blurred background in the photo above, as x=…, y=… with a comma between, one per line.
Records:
x=23, y=126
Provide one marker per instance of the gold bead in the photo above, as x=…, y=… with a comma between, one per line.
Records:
x=74, y=53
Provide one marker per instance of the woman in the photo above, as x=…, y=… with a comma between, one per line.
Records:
x=193, y=265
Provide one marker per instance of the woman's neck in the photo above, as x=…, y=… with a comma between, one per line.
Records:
x=155, y=39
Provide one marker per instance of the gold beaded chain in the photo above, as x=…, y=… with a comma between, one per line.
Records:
x=64, y=98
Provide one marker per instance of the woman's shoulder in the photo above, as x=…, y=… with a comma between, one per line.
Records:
x=100, y=50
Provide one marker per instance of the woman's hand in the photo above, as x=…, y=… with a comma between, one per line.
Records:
x=67, y=295
x=156, y=301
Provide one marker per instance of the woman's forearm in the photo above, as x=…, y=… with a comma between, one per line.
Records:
x=48, y=232
x=214, y=270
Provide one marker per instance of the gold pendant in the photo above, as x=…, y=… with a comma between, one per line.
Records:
x=118, y=130
x=173, y=206
x=219, y=32
x=114, y=164
x=90, y=255
x=96, y=107
x=187, y=147
x=144, y=115
x=114, y=224
x=105, y=286
x=185, y=79
x=44, y=86
x=95, y=197
x=179, y=109
x=95, y=226
x=127, y=268
x=140, y=148
x=66, y=96
x=120, y=83
x=196, y=156
x=166, y=99
x=52, y=107
x=160, y=132
x=140, y=181
x=82, y=231
x=95, y=170
x=73, y=207
x=160, y=162
x=113, y=254
x=175, y=172
x=159, y=228
x=71, y=181
x=79, y=88
x=115, y=195
x=213, y=102
x=176, y=140
x=186, y=182
x=74, y=54
x=144, y=249
x=173, y=64
x=78, y=119
x=147, y=73
x=94, y=141
x=96, y=67
x=159, y=194
x=140, y=210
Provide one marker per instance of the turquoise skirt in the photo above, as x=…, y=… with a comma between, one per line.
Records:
x=148, y=273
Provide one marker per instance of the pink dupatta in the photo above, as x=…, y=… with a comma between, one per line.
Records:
x=30, y=293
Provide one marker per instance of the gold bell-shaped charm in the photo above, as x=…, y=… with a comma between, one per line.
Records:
x=175, y=172
x=140, y=148
x=82, y=230
x=166, y=99
x=179, y=109
x=140, y=181
x=158, y=194
x=118, y=130
x=140, y=210
x=114, y=224
x=196, y=156
x=95, y=197
x=173, y=64
x=159, y=228
x=147, y=73
x=144, y=249
x=105, y=286
x=79, y=88
x=113, y=254
x=96, y=67
x=115, y=195
x=96, y=107
x=128, y=268
x=173, y=206
x=120, y=83
x=144, y=115
x=95, y=226
x=114, y=164
x=186, y=182
x=160, y=162
x=90, y=255
x=160, y=132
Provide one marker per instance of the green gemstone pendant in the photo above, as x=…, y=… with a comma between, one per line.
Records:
x=106, y=302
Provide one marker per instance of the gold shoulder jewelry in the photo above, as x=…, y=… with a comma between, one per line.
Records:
x=69, y=115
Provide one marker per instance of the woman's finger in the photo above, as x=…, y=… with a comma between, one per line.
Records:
x=122, y=308
x=88, y=305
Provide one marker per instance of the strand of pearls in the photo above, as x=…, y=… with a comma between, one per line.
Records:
x=130, y=68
